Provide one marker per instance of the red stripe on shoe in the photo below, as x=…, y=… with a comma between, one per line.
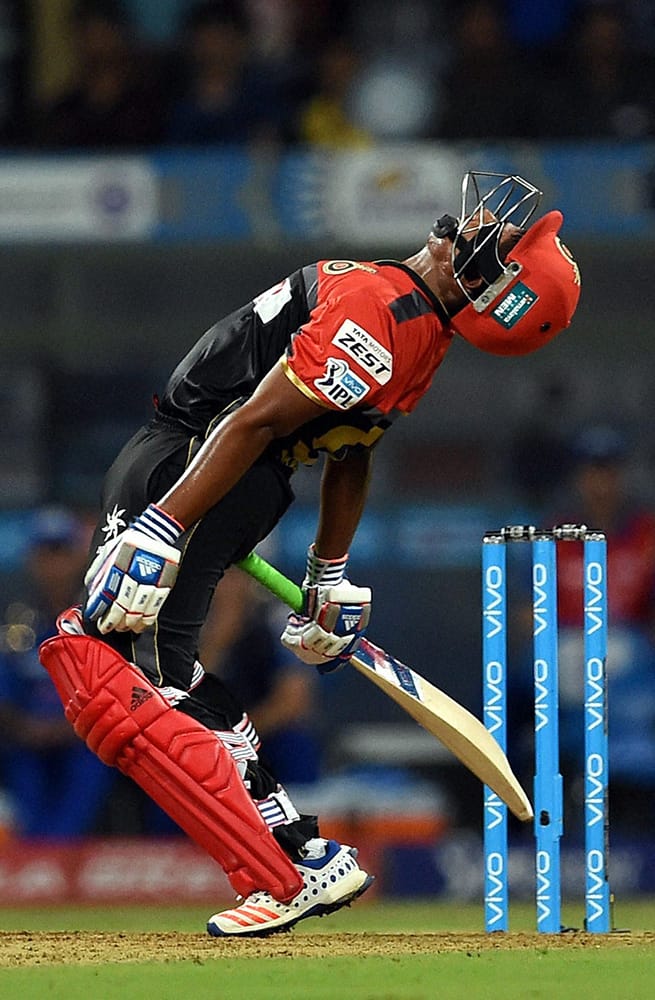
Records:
x=236, y=919
x=246, y=918
x=265, y=914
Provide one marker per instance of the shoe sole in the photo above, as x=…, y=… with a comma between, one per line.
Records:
x=320, y=910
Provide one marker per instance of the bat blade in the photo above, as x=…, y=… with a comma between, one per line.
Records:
x=452, y=724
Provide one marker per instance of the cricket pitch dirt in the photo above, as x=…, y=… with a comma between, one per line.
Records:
x=28, y=948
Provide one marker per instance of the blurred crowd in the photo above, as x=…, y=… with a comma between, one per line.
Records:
x=131, y=74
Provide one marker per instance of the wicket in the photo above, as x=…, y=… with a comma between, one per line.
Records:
x=548, y=786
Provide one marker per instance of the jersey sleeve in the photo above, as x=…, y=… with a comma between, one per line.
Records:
x=343, y=356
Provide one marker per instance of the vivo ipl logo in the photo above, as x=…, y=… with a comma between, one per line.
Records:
x=540, y=598
x=595, y=694
x=541, y=702
x=494, y=588
x=595, y=790
x=593, y=597
x=495, y=811
x=596, y=884
x=494, y=898
x=494, y=682
x=540, y=608
x=544, y=886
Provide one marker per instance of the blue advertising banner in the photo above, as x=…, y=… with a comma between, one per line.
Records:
x=387, y=194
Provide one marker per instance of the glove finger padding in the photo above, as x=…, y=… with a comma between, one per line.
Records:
x=298, y=627
x=336, y=619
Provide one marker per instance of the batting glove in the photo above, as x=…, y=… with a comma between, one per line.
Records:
x=323, y=572
x=329, y=633
x=132, y=574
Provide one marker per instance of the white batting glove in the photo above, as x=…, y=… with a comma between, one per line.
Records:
x=336, y=619
x=132, y=575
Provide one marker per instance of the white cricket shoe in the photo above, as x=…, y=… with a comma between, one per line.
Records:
x=330, y=882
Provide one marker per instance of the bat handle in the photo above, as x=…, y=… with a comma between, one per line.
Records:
x=273, y=580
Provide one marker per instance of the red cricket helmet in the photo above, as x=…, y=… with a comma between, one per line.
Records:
x=534, y=298
x=525, y=298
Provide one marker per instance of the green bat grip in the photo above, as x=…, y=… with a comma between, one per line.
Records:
x=273, y=580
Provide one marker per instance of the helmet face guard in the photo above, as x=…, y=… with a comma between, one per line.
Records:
x=521, y=302
x=476, y=241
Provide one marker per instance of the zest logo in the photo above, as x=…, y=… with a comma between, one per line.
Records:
x=369, y=354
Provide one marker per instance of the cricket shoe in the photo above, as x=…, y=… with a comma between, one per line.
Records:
x=330, y=882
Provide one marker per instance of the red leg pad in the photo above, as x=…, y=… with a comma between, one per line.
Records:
x=179, y=763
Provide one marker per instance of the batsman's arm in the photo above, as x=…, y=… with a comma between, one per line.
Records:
x=276, y=409
x=344, y=488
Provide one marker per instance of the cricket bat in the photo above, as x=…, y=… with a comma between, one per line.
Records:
x=452, y=724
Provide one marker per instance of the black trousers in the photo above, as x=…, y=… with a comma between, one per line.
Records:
x=146, y=468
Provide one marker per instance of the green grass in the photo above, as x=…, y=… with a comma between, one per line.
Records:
x=551, y=975
x=374, y=917
x=623, y=972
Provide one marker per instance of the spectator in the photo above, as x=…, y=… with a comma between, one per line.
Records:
x=56, y=785
x=601, y=498
x=14, y=62
x=225, y=96
x=398, y=90
x=488, y=84
x=114, y=101
x=240, y=643
x=326, y=119
x=605, y=87
x=539, y=24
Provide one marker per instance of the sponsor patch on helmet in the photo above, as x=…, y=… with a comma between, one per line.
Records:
x=514, y=305
x=340, y=385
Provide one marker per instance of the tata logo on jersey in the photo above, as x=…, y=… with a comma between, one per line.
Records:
x=365, y=350
x=341, y=385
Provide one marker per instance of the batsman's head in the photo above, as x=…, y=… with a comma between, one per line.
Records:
x=522, y=285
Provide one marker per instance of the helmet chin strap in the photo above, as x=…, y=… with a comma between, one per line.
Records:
x=445, y=227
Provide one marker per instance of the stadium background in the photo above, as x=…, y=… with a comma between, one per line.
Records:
x=115, y=260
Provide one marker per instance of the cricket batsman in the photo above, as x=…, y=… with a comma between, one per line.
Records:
x=322, y=363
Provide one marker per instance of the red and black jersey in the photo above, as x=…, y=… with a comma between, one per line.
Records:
x=630, y=574
x=362, y=339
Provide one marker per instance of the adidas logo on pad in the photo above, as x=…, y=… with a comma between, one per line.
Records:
x=139, y=697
